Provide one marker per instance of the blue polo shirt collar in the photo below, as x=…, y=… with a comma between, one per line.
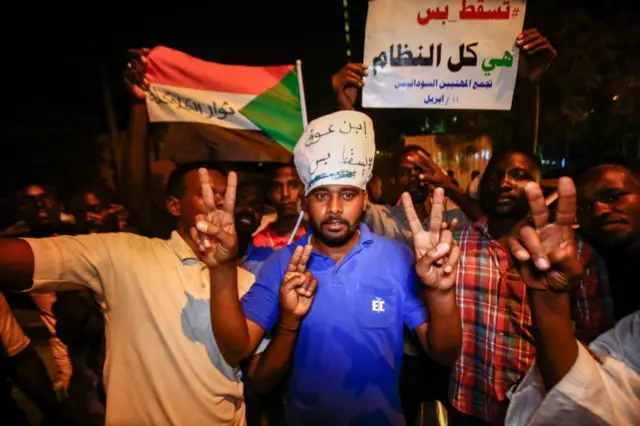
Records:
x=365, y=240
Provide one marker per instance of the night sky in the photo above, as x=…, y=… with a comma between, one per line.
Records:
x=61, y=64
x=52, y=64
x=52, y=58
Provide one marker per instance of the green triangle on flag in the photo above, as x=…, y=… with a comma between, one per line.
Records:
x=278, y=111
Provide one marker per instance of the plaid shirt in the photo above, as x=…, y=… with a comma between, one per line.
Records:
x=498, y=341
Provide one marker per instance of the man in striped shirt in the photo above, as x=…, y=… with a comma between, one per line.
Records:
x=498, y=341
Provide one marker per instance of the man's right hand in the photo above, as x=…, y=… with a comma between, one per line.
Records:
x=298, y=287
x=346, y=83
x=536, y=54
x=215, y=232
x=134, y=74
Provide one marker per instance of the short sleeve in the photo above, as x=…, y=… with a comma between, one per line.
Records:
x=13, y=338
x=414, y=311
x=260, y=304
x=245, y=281
x=84, y=261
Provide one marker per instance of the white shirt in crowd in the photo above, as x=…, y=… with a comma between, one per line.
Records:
x=602, y=387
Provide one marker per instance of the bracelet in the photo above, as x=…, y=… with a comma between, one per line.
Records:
x=290, y=330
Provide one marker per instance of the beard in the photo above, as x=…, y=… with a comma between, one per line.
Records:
x=330, y=238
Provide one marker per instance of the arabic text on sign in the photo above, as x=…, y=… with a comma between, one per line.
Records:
x=348, y=158
x=346, y=128
x=421, y=84
x=401, y=56
x=467, y=12
x=505, y=61
x=207, y=110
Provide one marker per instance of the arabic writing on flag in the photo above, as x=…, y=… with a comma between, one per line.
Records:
x=453, y=54
x=265, y=99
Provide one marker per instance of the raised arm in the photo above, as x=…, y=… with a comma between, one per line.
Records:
x=58, y=263
x=597, y=386
x=217, y=241
x=550, y=267
x=346, y=84
x=296, y=296
x=536, y=54
x=136, y=167
x=436, y=267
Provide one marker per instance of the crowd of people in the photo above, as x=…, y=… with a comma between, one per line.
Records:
x=333, y=309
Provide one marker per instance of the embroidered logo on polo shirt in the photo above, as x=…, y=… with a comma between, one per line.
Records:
x=377, y=305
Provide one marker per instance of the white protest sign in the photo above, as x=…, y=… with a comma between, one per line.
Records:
x=453, y=54
x=336, y=149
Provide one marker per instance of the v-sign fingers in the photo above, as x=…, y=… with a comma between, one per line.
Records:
x=207, y=191
x=531, y=241
x=229, y=204
x=446, y=236
x=566, y=211
x=452, y=259
x=412, y=216
x=295, y=260
x=437, y=212
x=304, y=258
x=539, y=210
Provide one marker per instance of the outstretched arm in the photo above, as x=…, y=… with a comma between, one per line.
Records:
x=436, y=267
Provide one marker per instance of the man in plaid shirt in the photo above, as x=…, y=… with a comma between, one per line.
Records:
x=498, y=342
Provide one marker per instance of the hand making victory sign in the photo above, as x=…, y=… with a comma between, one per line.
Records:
x=298, y=285
x=436, y=252
x=216, y=233
x=547, y=253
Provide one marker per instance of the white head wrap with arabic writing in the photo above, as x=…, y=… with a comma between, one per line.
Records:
x=336, y=149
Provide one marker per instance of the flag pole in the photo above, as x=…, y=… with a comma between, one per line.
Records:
x=303, y=102
x=303, y=107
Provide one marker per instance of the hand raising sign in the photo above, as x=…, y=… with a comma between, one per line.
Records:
x=346, y=83
x=216, y=233
x=436, y=252
x=298, y=285
x=547, y=253
x=134, y=74
x=536, y=54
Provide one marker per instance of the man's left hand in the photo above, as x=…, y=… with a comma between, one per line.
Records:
x=215, y=232
x=546, y=251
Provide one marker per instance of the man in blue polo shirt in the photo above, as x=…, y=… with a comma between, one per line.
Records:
x=335, y=302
